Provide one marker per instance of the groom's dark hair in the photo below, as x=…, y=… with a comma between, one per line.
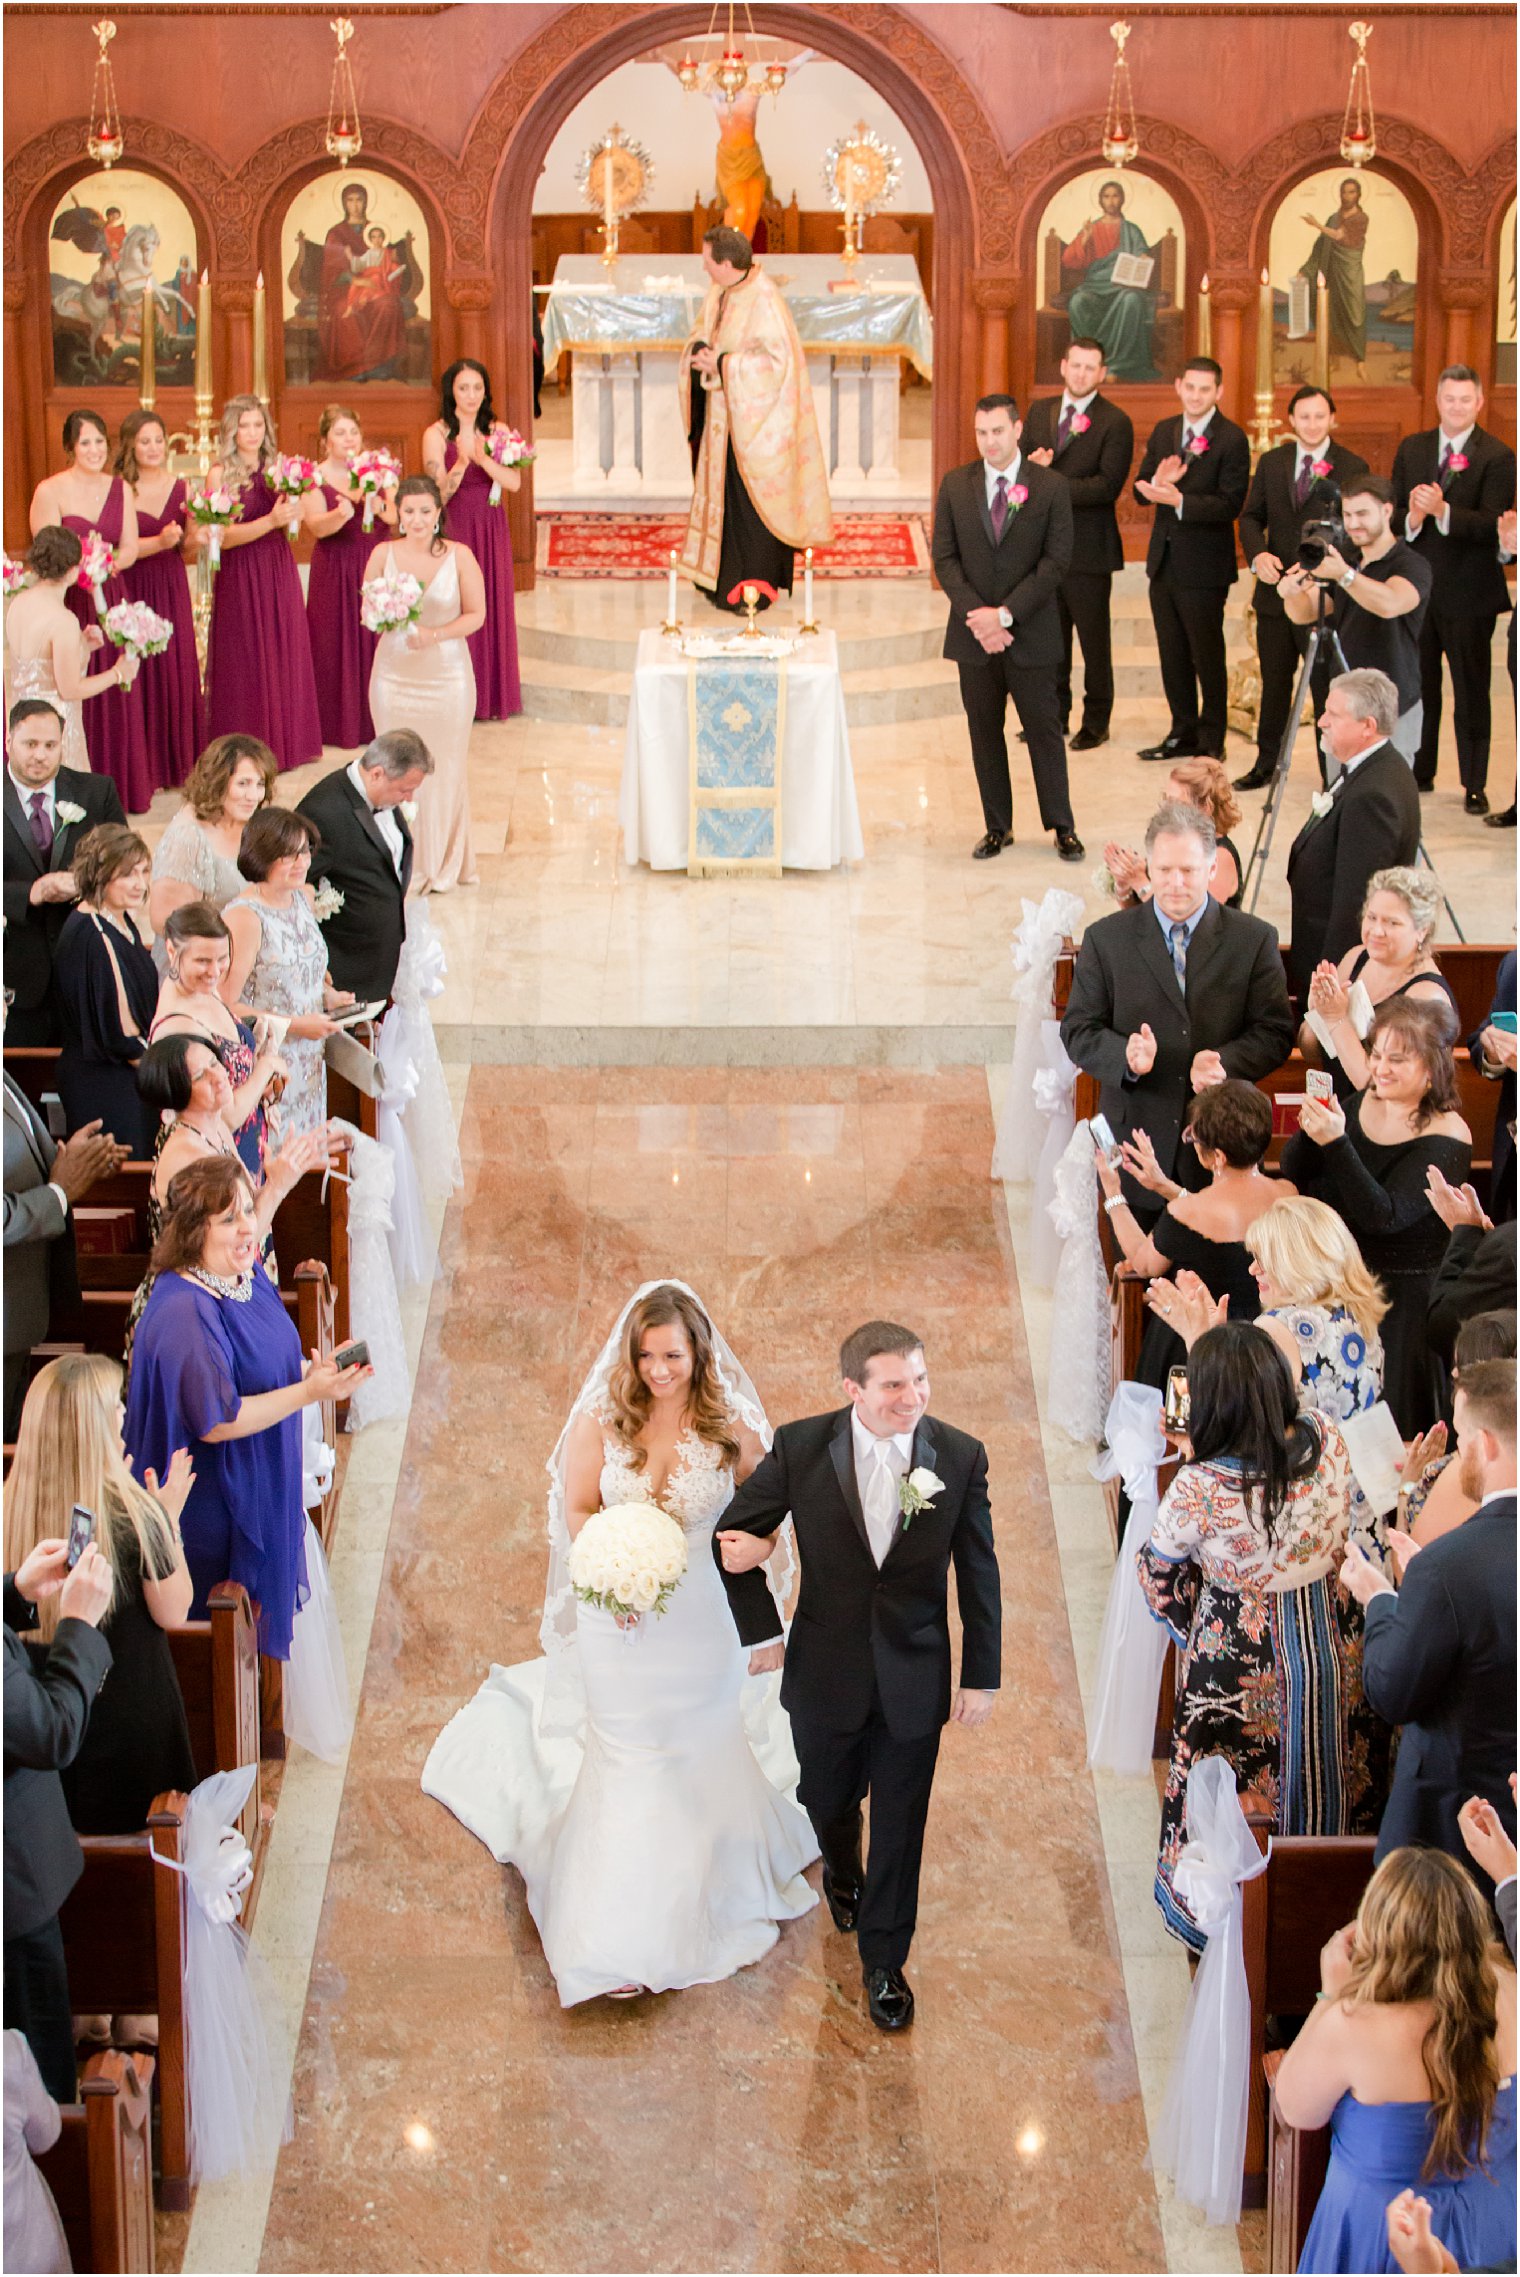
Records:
x=863, y=1345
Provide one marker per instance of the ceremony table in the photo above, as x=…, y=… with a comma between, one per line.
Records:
x=624, y=330
x=735, y=704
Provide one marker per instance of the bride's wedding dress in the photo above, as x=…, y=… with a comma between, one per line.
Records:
x=662, y=1845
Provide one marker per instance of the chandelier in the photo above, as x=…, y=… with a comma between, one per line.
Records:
x=727, y=71
x=105, y=141
x=345, y=138
x=1120, y=141
x=1359, y=128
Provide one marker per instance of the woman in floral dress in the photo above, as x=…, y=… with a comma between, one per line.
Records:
x=279, y=961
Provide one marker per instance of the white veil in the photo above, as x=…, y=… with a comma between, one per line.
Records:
x=564, y=1704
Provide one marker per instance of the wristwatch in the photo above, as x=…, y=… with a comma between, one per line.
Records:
x=1348, y=579
x=1005, y=619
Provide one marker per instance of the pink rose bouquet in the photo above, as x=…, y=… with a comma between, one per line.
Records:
x=292, y=476
x=17, y=576
x=211, y=507
x=141, y=631
x=375, y=474
x=97, y=566
x=390, y=604
x=507, y=448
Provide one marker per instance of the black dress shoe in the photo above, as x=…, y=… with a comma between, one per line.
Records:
x=1425, y=789
x=889, y=1998
x=992, y=843
x=1257, y=780
x=1069, y=846
x=843, y=1902
x=1503, y=820
x=1088, y=738
x=1171, y=747
x=1475, y=802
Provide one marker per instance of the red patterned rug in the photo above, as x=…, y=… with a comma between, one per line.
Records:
x=640, y=545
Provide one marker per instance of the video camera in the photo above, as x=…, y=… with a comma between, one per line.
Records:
x=1325, y=531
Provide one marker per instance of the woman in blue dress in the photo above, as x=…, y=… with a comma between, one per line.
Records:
x=217, y=1368
x=1409, y=2058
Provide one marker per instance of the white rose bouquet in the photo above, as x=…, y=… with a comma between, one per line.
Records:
x=629, y=1560
x=390, y=603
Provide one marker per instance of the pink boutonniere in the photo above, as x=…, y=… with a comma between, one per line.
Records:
x=1017, y=495
x=1080, y=423
x=1320, y=469
x=1198, y=446
x=1457, y=463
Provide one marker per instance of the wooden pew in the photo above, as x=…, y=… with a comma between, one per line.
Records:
x=100, y=2170
x=217, y=1664
x=1472, y=967
x=1298, y=2159
x=124, y=1935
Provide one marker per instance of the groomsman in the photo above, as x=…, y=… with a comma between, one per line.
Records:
x=49, y=808
x=1002, y=544
x=1196, y=471
x=1296, y=482
x=1451, y=483
x=1090, y=442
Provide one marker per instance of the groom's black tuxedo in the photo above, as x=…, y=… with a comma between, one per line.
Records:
x=867, y=1681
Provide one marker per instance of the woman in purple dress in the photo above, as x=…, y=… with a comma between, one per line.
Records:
x=259, y=677
x=342, y=652
x=217, y=1368
x=455, y=454
x=86, y=497
x=174, y=714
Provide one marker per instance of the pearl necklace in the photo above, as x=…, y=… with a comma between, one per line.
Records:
x=239, y=1288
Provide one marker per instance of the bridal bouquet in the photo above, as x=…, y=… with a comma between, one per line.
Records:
x=390, y=604
x=507, y=448
x=97, y=565
x=628, y=1559
x=374, y=474
x=211, y=508
x=141, y=631
x=17, y=577
x=292, y=477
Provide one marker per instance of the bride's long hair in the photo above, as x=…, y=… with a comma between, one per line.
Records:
x=629, y=1397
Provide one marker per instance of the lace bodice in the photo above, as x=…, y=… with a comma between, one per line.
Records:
x=697, y=1492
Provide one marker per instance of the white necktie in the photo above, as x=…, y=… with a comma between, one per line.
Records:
x=880, y=1498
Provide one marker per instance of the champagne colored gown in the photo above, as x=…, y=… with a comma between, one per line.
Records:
x=432, y=690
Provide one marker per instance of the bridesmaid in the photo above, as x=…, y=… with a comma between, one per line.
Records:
x=259, y=662
x=423, y=679
x=454, y=453
x=342, y=652
x=174, y=713
x=82, y=498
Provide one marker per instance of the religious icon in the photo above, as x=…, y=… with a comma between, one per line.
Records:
x=356, y=305
x=1358, y=233
x=1504, y=312
x=111, y=238
x=1112, y=269
x=742, y=180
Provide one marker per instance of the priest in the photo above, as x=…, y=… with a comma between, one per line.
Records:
x=762, y=489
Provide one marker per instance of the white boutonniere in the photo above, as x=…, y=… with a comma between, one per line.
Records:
x=916, y=1492
x=67, y=811
x=326, y=901
x=1321, y=803
x=409, y=812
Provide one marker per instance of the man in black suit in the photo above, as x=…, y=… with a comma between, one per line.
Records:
x=1002, y=544
x=46, y=1711
x=1494, y=1049
x=1451, y=484
x=43, y=1181
x=48, y=809
x=366, y=856
x=1174, y=995
x=1439, y=1654
x=1295, y=482
x=884, y=1498
x=1477, y=1274
x=1090, y=443
x=1368, y=820
x=1196, y=471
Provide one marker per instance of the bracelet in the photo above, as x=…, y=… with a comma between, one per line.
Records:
x=1115, y=1202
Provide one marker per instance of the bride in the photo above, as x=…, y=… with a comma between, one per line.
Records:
x=644, y=1791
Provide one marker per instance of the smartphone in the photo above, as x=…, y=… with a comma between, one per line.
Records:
x=1320, y=1084
x=1505, y=1022
x=1103, y=1137
x=53, y=1115
x=355, y=1355
x=81, y=1533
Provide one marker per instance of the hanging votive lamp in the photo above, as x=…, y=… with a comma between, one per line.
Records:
x=345, y=138
x=1121, y=144
x=105, y=141
x=689, y=72
x=1359, y=128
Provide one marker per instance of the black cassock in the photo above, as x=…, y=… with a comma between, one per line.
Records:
x=750, y=552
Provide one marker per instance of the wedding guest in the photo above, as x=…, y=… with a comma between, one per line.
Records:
x=366, y=856
x=1369, y=820
x=1240, y=1568
x=342, y=652
x=1370, y=1161
x=1195, y=473
x=174, y=712
x=48, y=653
x=279, y=959
x=1493, y=1852
x=1376, y=604
x=258, y=665
x=49, y=808
x=1408, y=2056
x=423, y=680
x=34, y=2236
x=196, y=858
x=217, y=1369
x=1494, y=1049
x=107, y=986
x=456, y=453
x=190, y=1004
x=1172, y=997
x=1395, y=958
x=42, y=1183
x=68, y=1454
x=85, y=497
x=1205, y=784
x=1477, y=1272
x=1431, y=1496
x=1090, y=443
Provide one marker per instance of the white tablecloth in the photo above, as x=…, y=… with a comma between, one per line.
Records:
x=820, y=821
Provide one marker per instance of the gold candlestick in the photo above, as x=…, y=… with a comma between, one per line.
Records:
x=260, y=341
x=1322, y=332
x=1262, y=434
x=1205, y=317
x=205, y=396
x=147, y=362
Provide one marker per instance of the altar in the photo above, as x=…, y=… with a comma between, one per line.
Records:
x=624, y=328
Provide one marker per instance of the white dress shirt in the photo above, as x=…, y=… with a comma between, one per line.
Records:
x=26, y=792
x=1444, y=442
x=879, y=1465
x=1190, y=428
x=1073, y=403
x=995, y=475
x=385, y=819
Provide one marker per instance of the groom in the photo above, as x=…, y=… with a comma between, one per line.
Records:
x=883, y=1499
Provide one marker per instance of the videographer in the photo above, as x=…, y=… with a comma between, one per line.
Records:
x=1377, y=604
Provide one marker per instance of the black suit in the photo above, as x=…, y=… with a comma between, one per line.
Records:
x=46, y=1710
x=1191, y=565
x=1373, y=823
x=32, y=929
x=1021, y=573
x=1469, y=594
x=1271, y=521
x=1235, y=1002
x=1501, y=1206
x=364, y=938
x=1477, y=1274
x=1439, y=1658
x=1095, y=467
x=867, y=1681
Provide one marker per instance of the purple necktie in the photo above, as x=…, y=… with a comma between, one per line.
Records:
x=1305, y=482
x=42, y=824
x=1000, y=507
x=1444, y=469
x=1063, y=427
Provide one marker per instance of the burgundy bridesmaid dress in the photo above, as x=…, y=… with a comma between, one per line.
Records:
x=169, y=686
x=258, y=667
x=474, y=522
x=342, y=652
x=114, y=731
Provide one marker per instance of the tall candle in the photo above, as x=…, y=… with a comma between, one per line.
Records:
x=1322, y=332
x=672, y=593
x=260, y=342
x=1205, y=317
x=203, y=379
x=1264, y=337
x=607, y=197
x=807, y=587
x=147, y=359
x=849, y=203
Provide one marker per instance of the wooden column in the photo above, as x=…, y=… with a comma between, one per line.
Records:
x=1232, y=296
x=995, y=297
x=232, y=306
x=470, y=297
x=26, y=425
x=1464, y=294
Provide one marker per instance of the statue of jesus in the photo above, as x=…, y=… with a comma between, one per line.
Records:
x=742, y=178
